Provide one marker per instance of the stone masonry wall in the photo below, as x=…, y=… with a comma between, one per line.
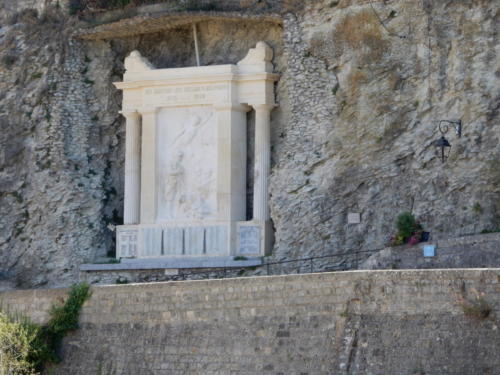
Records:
x=359, y=322
x=362, y=84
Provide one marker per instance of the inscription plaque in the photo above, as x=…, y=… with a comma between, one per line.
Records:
x=249, y=240
x=127, y=243
x=185, y=94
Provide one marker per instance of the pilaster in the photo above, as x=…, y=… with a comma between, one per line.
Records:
x=132, y=193
x=262, y=161
x=148, y=169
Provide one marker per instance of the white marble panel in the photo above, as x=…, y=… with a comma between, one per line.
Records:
x=187, y=94
x=353, y=218
x=126, y=243
x=150, y=241
x=194, y=240
x=216, y=240
x=249, y=238
x=187, y=161
x=173, y=241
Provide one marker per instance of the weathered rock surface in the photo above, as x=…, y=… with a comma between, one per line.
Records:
x=62, y=141
x=479, y=251
x=361, y=88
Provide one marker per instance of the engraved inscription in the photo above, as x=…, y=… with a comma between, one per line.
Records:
x=186, y=94
x=127, y=243
x=249, y=240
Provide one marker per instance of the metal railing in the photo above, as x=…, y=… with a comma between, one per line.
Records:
x=349, y=261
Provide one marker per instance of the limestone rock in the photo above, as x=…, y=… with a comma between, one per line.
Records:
x=362, y=86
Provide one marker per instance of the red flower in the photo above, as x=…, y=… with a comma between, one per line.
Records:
x=414, y=240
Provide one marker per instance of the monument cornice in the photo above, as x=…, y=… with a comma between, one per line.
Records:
x=142, y=83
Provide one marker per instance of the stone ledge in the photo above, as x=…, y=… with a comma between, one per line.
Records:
x=156, y=22
x=173, y=263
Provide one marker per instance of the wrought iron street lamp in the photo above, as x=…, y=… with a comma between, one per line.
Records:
x=443, y=145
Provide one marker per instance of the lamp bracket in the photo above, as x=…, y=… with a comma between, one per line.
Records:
x=444, y=126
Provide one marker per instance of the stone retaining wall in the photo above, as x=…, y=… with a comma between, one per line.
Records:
x=360, y=322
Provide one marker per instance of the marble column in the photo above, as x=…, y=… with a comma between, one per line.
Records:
x=148, y=167
x=262, y=161
x=132, y=198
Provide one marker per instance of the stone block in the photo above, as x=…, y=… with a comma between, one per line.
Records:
x=216, y=240
x=353, y=218
x=173, y=241
x=150, y=239
x=194, y=241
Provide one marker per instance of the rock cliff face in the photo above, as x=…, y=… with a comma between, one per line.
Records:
x=361, y=88
x=60, y=156
x=364, y=85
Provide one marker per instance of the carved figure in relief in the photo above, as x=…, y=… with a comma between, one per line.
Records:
x=187, y=164
x=174, y=181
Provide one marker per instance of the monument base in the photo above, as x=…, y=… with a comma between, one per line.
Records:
x=166, y=263
x=168, y=269
x=191, y=240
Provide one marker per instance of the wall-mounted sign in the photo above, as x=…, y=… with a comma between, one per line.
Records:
x=429, y=250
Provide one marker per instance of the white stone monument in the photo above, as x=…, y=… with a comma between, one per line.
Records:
x=186, y=158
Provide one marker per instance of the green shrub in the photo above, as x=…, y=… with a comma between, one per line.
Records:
x=495, y=230
x=405, y=223
x=65, y=318
x=408, y=230
x=19, y=338
x=26, y=348
x=477, y=308
x=196, y=5
x=240, y=257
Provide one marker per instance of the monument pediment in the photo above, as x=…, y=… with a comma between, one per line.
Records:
x=186, y=158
